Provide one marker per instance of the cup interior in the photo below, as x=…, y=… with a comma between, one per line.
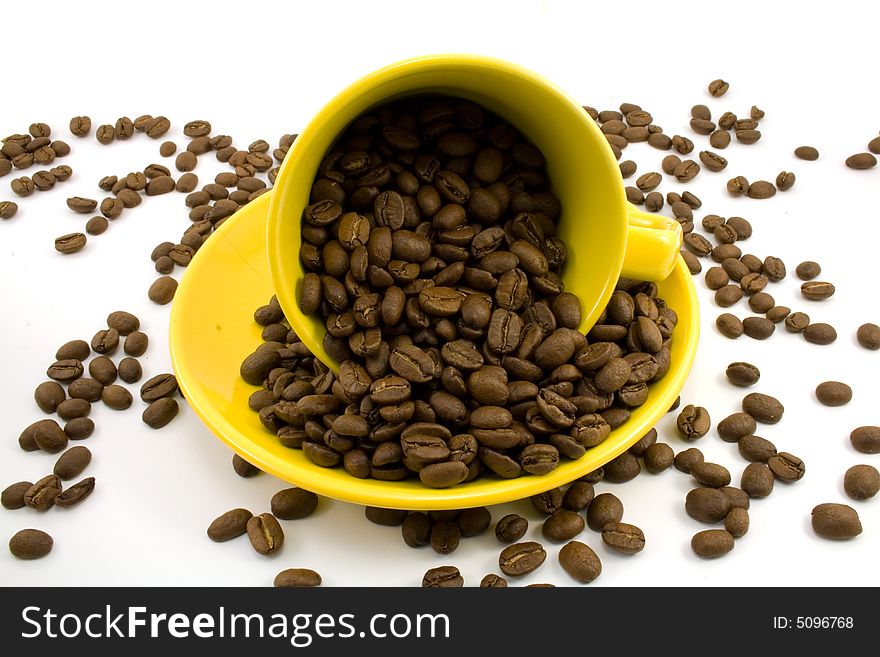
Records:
x=582, y=169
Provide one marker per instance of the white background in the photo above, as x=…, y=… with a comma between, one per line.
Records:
x=258, y=70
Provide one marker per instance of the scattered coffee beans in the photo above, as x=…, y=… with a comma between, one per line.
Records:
x=712, y=543
x=743, y=374
x=763, y=408
x=866, y=439
x=693, y=422
x=806, y=153
x=293, y=503
x=820, y=333
x=231, y=524
x=522, y=558
x=624, y=538
x=868, y=336
x=786, y=467
x=861, y=161
x=265, y=533
x=580, y=561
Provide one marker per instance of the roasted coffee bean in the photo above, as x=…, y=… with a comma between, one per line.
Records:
x=297, y=578
x=30, y=544
x=416, y=530
x=760, y=189
x=693, y=422
x=718, y=88
x=785, y=181
x=758, y=328
x=42, y=494
x=265, y=534
x=836, y=521
x=385, y=517
x=833, y=393
x=737, y=522
x=70, y=243
x=162, y=290
x=868, y=336
x=622, y=468
x=686, y=459
x=861, y=161
x=521, y=558
x=293, y=503
x=702, y=126
x=712, y=543
x=79, y=428
x=658, y=457
x=136, y=344
x=105, y=341
x=817, y=290
x=161, y=385
x=861, y=482
x=604, y=509
x=711, y=474
x=65, y=370
x=48, y=395
x=708, y=505
x=763, y=408
x=716, y=278
x=743, y=374
x=623, y=538
x=563, y=525
x=797, y=322
x=511, y=528
x=493, y=581
x=738, y=186
x=72, y=462
x=735, y=426
x=443, y=577
x=874, y=145
x=13, y=495
x=713, y=161
x=116, y=397
x=580, y=561
x=806, y=153
x=97, y=225
x=229, y=525
x=866, y=439
x=757, y=480
x=820, y=333
x=786, y=467
x=160, y=413
x=85, y=388
x=761, y=302
x=445, y=537
x=729, y=325
x=8, y=209
x=73, y=408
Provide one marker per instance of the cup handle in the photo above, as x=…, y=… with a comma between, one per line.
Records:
x=652, y=246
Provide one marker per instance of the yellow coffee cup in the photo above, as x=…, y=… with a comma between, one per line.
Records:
x=606, y=237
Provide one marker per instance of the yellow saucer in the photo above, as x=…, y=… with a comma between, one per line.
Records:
x=212, y=330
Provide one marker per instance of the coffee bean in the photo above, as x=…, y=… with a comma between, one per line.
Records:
x=80, y=126
x=229, y=525
x=85, y=388
x=682, y=144
x=711, y=474
x=817, y=290
x=580, y=561
x=521, y=558
x=443, y=475
x=743, y=374
x=30, y=544
x=729, y=325
x=757, y=480
x=861, y=482
x=622, y=468
x=874, y=145
x=116, y=397
x=42, y=494
x=605, y=508
x=624, y=538
x=868, y=336
x=658, y=457
x=627, y=168
x=685, y=460
x=105, y=341
x=511, y=528
x=758, y=328
x=265, y=534
x=70, y=243
x=160, y=413
x=445, y=537
x=687, y=170
x=493, y=581
x=82, y=205
x=563, y=525
x=712, y=543
x=13, y=495
x=73, y=408
x=72, y=462
x=162, y=290
x=785, y=181
x=708, y=505
x=735, y=426
x=197, y=128
x=761, y=189
x=297, y=578
x=702, y=126
x=748, y=136
x=716, y=278
x=820, y=333
x=755, y=448
x=833, y=393
x=79, y=428
x=866, y=439
x=786, y=467
x=48, y=395
x=713, y=161
x=136, y=344
x=649, y=181
x=778, y=313
x=293, y=503
x=693, y=422
x=763, y=408
x=836, y=521
x=797, y=322
x=8, y=209
x=861, y=161
x=718, y=88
